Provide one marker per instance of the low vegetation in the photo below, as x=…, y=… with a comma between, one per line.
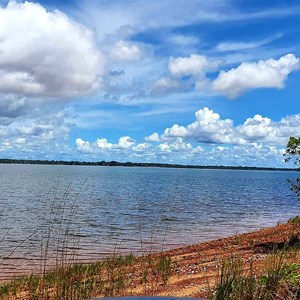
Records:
x=277, y=280
x=115, y=276
x=294, y=220
x=277, y=276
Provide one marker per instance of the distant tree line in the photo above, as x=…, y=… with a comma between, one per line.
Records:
x=132, y=164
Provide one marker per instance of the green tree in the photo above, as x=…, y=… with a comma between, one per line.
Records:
x=292, y=154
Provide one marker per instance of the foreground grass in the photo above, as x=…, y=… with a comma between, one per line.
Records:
x=112, y=277
x=278, y=279
x=294, y=220
x=261, y=265
x=118, y=276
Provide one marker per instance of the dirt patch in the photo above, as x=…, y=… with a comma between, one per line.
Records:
x=196, y=267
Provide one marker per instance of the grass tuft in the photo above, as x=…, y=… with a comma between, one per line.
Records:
x=278, y=280
x=294, y=220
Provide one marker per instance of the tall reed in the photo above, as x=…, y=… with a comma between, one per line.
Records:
x=62, y=276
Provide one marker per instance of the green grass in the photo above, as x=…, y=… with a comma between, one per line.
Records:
x=109, y=278
x=278, y=280
x=294, y=220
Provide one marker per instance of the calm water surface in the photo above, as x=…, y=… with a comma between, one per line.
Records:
x=95, y=211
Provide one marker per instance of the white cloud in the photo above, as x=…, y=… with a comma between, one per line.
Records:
x=193, y=65
x=83, y=146
x=125, y=142
x=36, y=130
x=253, y=152
x=141, y=147
x=270, y=73
x=210, y=128
x=257, y=127
x=262, y=129
x=154, y=137
x=20, y=83
x=103, y=144
x=183, y=40
x=179, y=145
x=125, y=51
x=45, y=53
x=146, y=15
x=164, y=147
x=166, y=83
x=203, y=84
x=237, y=46
x=36, y=136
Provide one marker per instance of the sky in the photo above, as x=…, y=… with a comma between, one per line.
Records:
x=189, y=82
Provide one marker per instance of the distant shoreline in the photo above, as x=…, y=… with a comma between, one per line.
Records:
x=142, y=165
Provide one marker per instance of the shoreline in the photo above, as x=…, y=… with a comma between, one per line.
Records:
x=199, y=264
x=9, y=161
x=196, y=266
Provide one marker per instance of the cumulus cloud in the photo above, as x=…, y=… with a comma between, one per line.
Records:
x=265, y=130
x=141, y=147
x=179, y=145
x=210, y=128
x=125, y=51
x=193, y=65
x=36, y=136
x=126, y=149
x=269, y=73
x=45, y=53
x=252, y=154
x=52, y=126
x=179, y=150
x=83, y=146
x=154, y=137
x=125, y=142
x=102, y=144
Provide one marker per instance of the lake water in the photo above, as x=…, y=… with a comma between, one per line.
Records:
x=96, y=211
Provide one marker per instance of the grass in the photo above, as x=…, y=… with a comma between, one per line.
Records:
x=61, y=230
x=277, y=280
x=111, y=277
x=294, y=220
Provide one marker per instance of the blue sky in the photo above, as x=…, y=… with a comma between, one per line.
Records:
x=200, y=82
